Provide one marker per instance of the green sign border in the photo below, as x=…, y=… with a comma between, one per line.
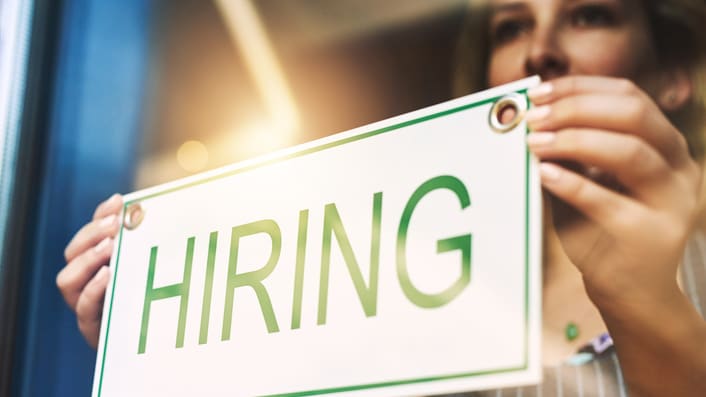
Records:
x=319, y=148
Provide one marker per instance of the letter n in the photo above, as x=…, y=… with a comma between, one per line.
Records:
x=333, y=226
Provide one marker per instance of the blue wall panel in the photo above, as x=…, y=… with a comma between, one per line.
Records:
x=94, y=133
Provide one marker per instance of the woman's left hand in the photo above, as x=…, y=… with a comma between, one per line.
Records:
x=629, y=230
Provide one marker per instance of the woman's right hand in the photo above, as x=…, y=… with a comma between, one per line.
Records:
x=84, y=279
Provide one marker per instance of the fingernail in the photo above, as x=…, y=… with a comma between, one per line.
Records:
x=537, y=113
x=539, y=139
x=102, y=273
x=549, y=172
x=113, y=199
x=540, y=91
x=108, y=220
x=102, y=245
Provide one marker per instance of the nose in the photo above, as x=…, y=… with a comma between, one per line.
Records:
x=545, y=56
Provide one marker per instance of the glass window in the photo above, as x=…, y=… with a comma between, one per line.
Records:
x=140, y=93
x=234, y=79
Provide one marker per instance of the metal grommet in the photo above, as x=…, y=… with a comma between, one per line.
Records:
x=514, y=102
x=134, y=214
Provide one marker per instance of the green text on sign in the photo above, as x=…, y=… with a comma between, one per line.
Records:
x=367, y=291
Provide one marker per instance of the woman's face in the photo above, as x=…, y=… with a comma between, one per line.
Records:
x=553, y=38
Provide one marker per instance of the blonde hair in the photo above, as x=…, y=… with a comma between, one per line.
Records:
x=677, y=28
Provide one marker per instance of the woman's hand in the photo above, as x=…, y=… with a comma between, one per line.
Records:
x=84, y=279
x=632, y=217
x=634, y=195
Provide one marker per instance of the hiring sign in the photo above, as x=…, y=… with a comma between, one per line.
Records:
x=394, y=259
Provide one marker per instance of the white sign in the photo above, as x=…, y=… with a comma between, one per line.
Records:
x=398, y=258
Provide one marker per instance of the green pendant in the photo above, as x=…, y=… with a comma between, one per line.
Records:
x=571, y=331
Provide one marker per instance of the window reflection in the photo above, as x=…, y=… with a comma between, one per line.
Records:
x=231, y=79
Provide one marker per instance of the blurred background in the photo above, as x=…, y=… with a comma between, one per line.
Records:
x=230, y=79
x=100, y=96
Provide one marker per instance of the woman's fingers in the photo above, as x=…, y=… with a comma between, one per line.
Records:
x=83, y=280
x=635, y=164
x=629, y=115
x=612, y=211
x=105, y=224
x=89, y=306
x=110, y=206
x=563, y=87
x=608, y=104
x=92, y=234
x=73, y=278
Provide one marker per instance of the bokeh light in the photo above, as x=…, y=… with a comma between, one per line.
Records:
x=192, y=156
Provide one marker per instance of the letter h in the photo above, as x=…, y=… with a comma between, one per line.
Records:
x=180, y=290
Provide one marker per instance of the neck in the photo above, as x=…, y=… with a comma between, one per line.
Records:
x=564, y=301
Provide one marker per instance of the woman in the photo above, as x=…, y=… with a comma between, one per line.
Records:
x=624, y=186
x=609, y=149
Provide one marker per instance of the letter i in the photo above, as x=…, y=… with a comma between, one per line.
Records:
x=299, y=269
x=208, y=288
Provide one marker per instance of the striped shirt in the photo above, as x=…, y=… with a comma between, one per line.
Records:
x=601, y=376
